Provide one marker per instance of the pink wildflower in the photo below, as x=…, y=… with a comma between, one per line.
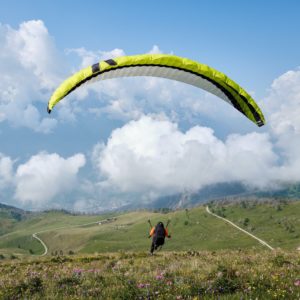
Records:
x=297, y=282
x=90, y=271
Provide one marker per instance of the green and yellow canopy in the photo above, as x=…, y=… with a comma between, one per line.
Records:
x=165, y=66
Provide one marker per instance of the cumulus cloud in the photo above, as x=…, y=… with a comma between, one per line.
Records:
x=155, y=50
x=6, y=171
x=283, y=104
x=46, y=176
x=283, y=109
x=155, y=155
x=34, y=49
x=91, y=57
x=30, y=67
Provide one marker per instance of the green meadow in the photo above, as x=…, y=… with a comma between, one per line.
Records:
x=277, y=223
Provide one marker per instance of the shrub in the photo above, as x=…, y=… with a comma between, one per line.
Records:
x=35, y=285
x=59, y=259
x=246, y=221
x=21, y=289
x=67, y=284
x=279, y=261
x=226, y=281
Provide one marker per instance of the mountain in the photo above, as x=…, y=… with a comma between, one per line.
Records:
x=190, y=199
x=9, y=216
x=291, y=191
x=221, y=191
x=12, y=212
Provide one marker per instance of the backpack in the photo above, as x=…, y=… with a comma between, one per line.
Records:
x=160, y=230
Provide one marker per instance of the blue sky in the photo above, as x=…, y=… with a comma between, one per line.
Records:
x=252, y=35
x=78, y=157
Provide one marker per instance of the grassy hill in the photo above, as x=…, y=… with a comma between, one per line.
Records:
x=9, y=216
x=278, y=223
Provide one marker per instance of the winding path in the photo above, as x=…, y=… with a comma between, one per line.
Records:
x=241, y=229
x=34, y=235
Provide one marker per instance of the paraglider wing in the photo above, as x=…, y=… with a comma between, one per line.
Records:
x=165, y=66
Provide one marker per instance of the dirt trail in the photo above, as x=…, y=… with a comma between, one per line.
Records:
x=34, y=235
x=43, y=244
x=241, y=229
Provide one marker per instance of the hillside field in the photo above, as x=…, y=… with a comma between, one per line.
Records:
x=277, y=223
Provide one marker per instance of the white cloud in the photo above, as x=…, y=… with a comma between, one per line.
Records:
x=154, y=155
x=283, y=104
x=155, y=50
x=46, y=176
x=30, y=67
x=6, y=171
x=35, y=50
x=282, y=108
x=91, y=57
